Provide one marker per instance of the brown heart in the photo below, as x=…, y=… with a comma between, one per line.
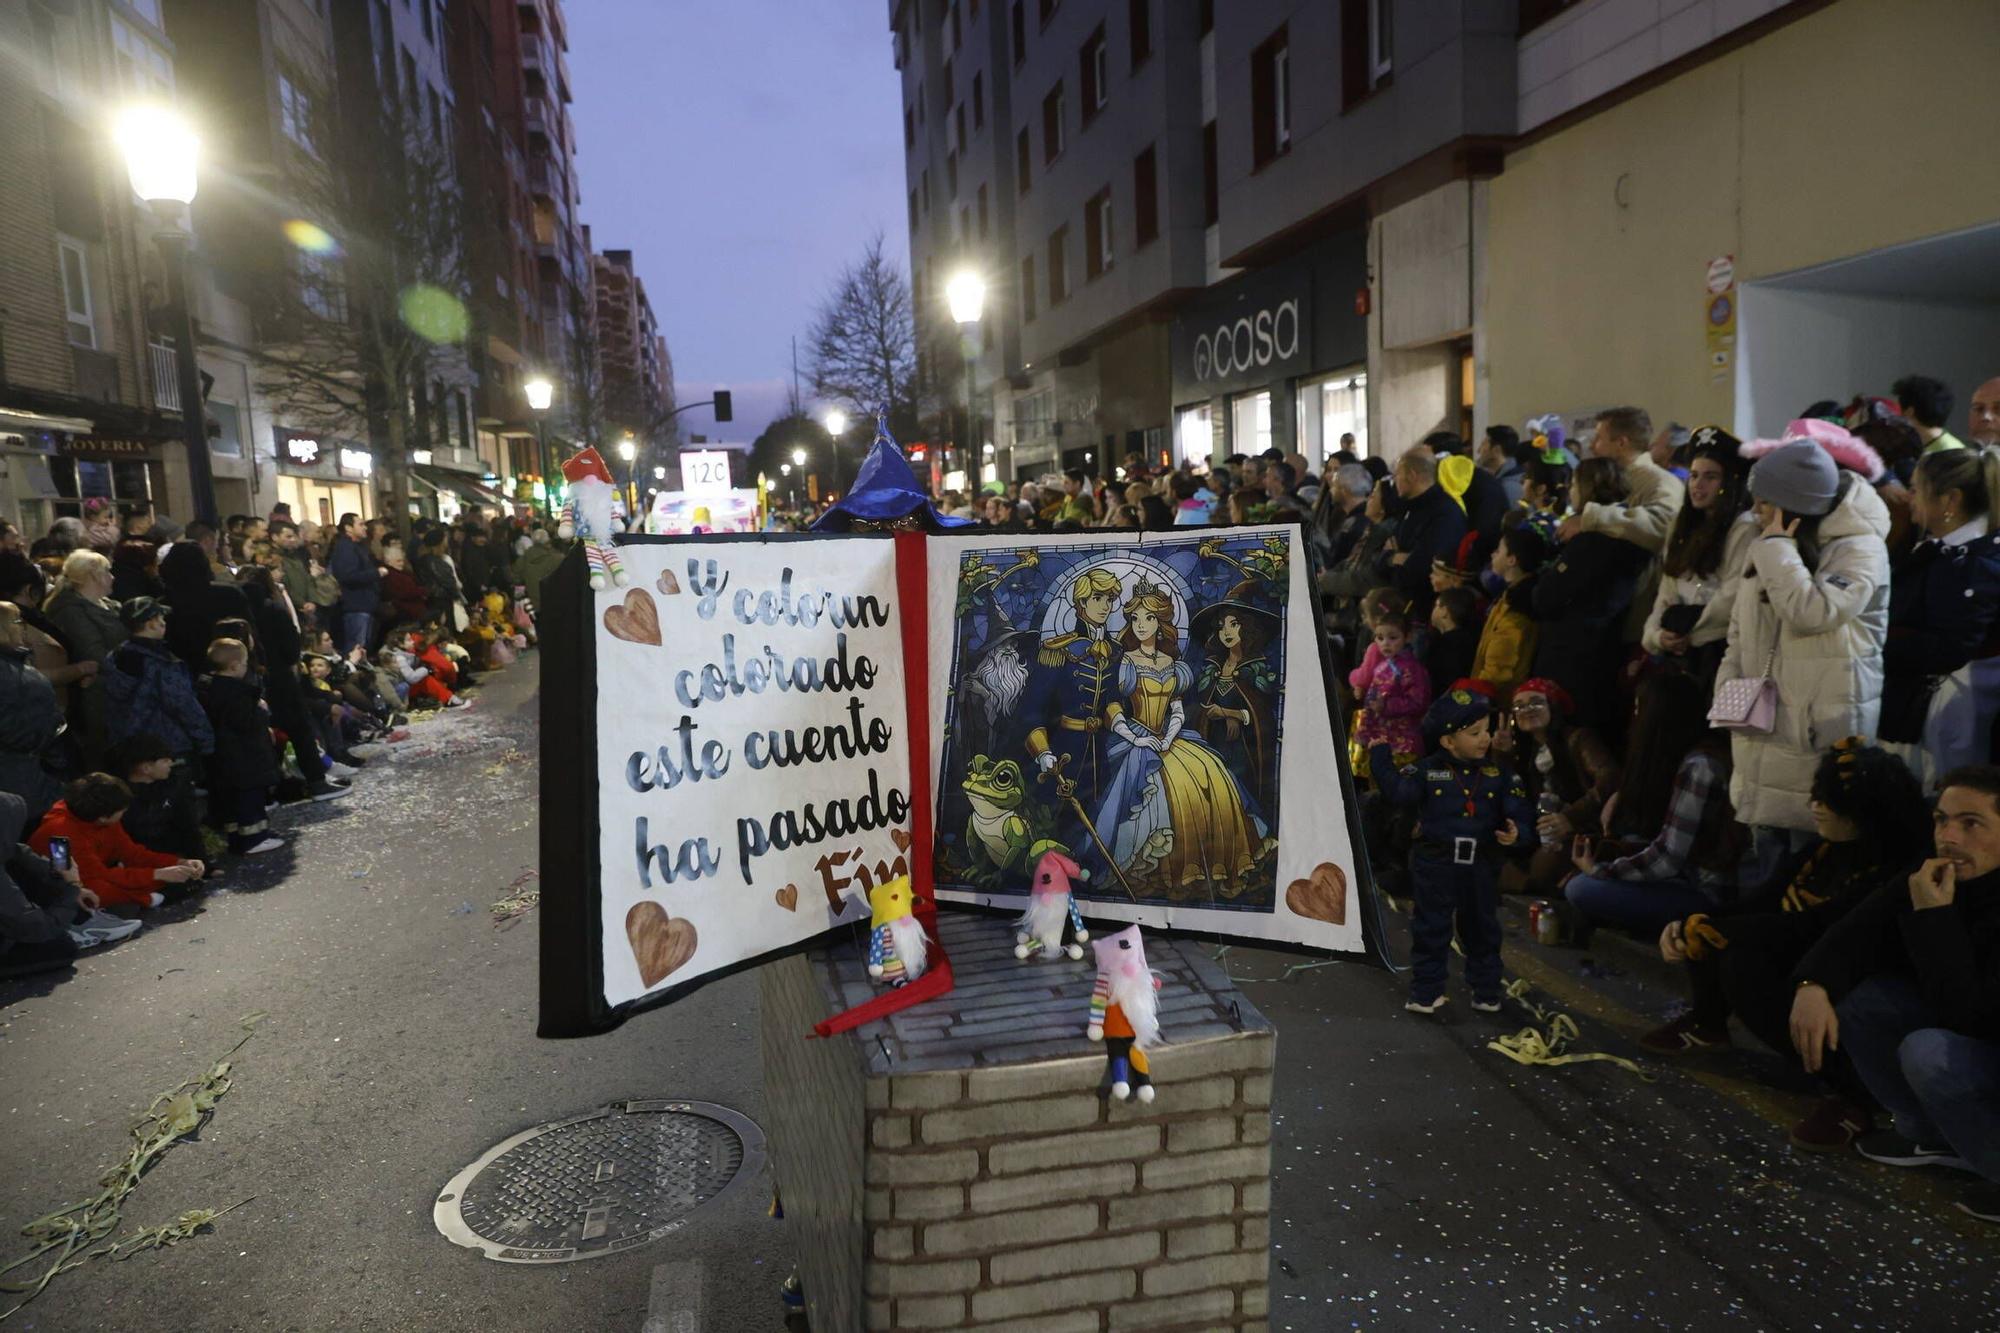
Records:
x=637, y=621
x=668, y=584
x=660, y=943
x=1323, y=897
x=900, y=838
x=788, y=897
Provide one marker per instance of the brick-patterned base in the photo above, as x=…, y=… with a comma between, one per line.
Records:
x=958, y=1166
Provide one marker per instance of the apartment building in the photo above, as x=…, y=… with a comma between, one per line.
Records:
x=632, y=357
x=89, y=406
x=565, y=282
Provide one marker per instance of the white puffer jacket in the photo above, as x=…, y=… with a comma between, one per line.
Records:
x=1828, y=624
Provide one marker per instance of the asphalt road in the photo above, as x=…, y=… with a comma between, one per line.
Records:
x=1421, y=1180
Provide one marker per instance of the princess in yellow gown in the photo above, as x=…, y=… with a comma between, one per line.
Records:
x=1173, y=814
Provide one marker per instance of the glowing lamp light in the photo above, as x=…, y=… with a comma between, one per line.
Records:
x=161, y=151
x=785, y=469
x=799, y=456
x=627, y=450
x=540, y=393
x=965, y=293
x=836, y=424
x=659, y=474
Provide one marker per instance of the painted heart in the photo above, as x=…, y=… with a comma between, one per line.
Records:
x=788, y=897
x=900, y=838
x=660, y=943
x=1322, y=897
x=637, y=621
x=668, y=584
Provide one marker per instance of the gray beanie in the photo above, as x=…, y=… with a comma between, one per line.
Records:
x=1798, y=477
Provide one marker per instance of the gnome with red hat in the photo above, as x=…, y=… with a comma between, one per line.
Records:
x=588, y=516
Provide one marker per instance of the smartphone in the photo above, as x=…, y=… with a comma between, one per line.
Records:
x=59, y=854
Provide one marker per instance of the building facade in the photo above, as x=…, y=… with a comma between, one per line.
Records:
x=89, y=408
x=632, y=361
x=565, y=284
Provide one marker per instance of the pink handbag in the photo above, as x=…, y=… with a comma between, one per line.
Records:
x=1748, y=703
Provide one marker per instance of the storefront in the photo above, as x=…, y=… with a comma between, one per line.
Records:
x=322, y=477
x=1274, y=358
x=52, y=474
x=456, y=493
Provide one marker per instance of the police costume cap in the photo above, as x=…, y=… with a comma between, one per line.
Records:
x=1244, y=601
x=139, y=610
x=1455, y=710
x=885, y=495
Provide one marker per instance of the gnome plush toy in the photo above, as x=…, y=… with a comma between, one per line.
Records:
x=587, y=515
x=1125, y=1012
x=898, y=950
x=1050, y=903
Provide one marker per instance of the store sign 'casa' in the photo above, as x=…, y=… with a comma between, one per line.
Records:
x=302, y=449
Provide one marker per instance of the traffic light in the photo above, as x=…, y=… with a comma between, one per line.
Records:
x=723, y=411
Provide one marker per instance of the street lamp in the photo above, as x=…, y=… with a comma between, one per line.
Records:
x=540, y=393
x=965, y=293
x=835, y=422
x=628, y=449
x=161, y=151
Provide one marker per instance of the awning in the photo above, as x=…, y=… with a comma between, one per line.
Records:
x=14, y=419
x=469, y=488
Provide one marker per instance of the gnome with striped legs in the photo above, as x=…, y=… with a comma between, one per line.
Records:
x=898, y=949
x=588, y=515
x=1125, y=1012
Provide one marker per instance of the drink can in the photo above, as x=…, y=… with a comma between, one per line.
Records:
x=1548, y=925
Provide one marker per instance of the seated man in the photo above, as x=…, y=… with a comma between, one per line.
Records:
x=46, y=916
x=113, y=866
x=1908, y=985
x=162, y=816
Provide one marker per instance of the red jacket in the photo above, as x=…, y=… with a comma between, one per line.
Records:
x=442, y=669
x=113, y=866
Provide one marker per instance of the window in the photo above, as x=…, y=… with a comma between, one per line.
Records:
x=229, y=422
x=951, y=175
x=1205, y=17
x=927, y=191
x=1141, y=26
x=1027, y=275
x=1052, y=124
x=430, y=33
x=1211, y=194
x=1019, y=23
x=295, y=113
x=411, y=89
x=143, y=68
x=1098, y=245
x=1048, y=8
x=909, y=128
x=1366, y=48
x=148, y=10
x=1270, y=99
x=958, y=124
x=1059, y=264
x=950, y=83
x=913, y=210
x=957, y=33
x=978, y=100
x=322, y=290
x=964, y=227
x=920, y=103
x=1091, y=72
x=75, y=263
x=1021, y=159
x=1146, y=196
x=982, y=210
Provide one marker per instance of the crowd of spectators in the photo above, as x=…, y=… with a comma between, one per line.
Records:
x=1751, y=689
x=165, y=690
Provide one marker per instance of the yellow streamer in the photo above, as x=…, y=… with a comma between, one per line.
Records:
x=1532, y=1047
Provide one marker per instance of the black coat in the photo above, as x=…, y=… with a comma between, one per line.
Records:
x=36, y=904
x=1580, y=602
x=29, y=721
x=1485, y=505
x=1944, y=611
x=1952, y=953
x=1431, y=526
x=244, y=756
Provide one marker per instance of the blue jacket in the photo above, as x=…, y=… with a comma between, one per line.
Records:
x=353, y=568
x=1442, y=788
x=148, y=689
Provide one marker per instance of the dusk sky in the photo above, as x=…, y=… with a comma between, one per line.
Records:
x=743, y=150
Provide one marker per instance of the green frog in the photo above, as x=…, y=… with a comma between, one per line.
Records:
x=1007, y=831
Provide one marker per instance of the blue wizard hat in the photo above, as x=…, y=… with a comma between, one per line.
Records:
x=886, y=494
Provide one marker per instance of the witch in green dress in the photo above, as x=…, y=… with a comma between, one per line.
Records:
x=1236, y=692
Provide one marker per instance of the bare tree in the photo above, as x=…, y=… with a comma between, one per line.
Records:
x=862, y=347
x=371, y=313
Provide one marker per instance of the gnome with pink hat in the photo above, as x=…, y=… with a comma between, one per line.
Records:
x=588, y=516
x=1051, y=903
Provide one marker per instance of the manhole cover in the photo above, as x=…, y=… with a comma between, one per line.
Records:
x=599, y=1183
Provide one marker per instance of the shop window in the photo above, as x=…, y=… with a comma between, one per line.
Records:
x=1271, y=98
x=1093, y=74
x=1146, y=197
x=1194, y=435
x=1250, y=423
x=123, y=481
x=1052, y=124
x=1140, y=25
x=1098, y=248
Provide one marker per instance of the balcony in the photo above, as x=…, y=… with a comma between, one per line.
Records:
x=166, y=376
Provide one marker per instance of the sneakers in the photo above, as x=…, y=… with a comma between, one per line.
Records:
x=265, y=844
x=399, y=735
x=1486, y=1006
x=1430, y=1006
x=102, y=928
x=1892, y=1149
x=332, y=791
x=1684, y=1036
x=336, y=769
x=1981, y=1201
x=1833, y=1124
x=456, y=702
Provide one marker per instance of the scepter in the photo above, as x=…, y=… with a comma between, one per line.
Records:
x=1066, y=790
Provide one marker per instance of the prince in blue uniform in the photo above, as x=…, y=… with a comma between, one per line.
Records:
x=1467, y=808
x=1071, y=700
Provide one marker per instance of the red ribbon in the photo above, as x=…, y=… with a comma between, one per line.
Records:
x=913, y=594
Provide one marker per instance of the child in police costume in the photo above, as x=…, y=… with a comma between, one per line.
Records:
x=1467, y=808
